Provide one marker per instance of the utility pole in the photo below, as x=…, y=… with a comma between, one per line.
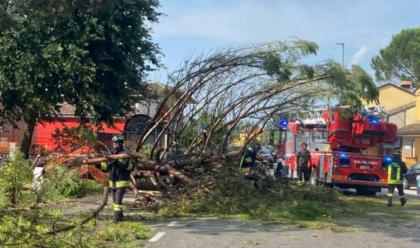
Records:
x=342, y=57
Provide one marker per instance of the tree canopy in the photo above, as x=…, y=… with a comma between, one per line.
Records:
x=252, y=84
x=400, y=60
x=91, y=54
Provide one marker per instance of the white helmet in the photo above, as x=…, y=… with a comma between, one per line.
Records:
x=117, y=139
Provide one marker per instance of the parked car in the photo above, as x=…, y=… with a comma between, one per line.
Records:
x=267, y=154
x=411, y=175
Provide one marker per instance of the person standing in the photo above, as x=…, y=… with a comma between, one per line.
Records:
x=119, y=176
x=315, y=165
x=303, y=161
x=39, y=168
x=396, y=170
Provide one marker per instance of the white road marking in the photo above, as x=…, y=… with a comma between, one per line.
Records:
x=157, y=237
x=172, y=224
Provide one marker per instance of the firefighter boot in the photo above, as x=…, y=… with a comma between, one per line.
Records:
x=118, y=216
x=403, y=201
x=389, y=204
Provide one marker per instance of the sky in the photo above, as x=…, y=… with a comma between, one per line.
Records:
x=190, y=27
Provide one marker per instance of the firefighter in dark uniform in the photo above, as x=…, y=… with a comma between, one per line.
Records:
x=249, y=156
x=248, y=162
x=396, y=169
x=119, y=176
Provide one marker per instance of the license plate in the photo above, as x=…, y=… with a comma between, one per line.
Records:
x=364, y=167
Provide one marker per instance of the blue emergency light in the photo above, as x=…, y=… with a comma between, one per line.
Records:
x=343, y=155
x=284, y=123
x=373, y=120
x=344, y=160
x=388, y=159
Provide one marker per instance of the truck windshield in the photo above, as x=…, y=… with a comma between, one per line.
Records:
x=348, y=149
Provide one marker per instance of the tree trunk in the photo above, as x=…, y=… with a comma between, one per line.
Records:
x=27, y=137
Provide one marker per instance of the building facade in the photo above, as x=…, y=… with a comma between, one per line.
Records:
x=402, y=103
x=11, y=136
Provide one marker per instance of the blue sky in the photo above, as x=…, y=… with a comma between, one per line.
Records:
x=189, y=27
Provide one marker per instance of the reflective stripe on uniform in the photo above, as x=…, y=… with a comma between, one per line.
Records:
x=390, y=194
x=104, y=166
x=394, y=174
x=117, y=207
x=119, y=184
x=402, y=197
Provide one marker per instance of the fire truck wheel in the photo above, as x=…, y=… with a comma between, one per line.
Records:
x=366, y=191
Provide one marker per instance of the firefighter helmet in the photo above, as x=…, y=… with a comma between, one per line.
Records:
x=256, y=146
x=117, y=139
x=397, y=153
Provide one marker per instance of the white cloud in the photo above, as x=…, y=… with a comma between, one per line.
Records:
x=359, y=55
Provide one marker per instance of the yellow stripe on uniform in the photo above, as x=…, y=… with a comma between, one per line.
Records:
x=104, y=166
x=119, y=184
x=122, y=184
x=117, y=207
x=394, y=178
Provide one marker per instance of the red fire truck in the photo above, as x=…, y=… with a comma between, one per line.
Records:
x=341, y=146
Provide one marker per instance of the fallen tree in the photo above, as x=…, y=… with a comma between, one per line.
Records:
x=216, y=94
x=223, y=94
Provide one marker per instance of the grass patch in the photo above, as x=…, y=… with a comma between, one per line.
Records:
x=124, y=233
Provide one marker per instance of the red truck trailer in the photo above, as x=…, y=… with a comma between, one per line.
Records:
x=339, y=141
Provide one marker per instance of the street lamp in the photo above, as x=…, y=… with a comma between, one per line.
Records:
x=342, y=57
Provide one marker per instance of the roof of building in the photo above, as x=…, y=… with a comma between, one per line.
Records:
x=68, y=110
x=410, y=91
x=164, y=89
x=402, y=108
x=411, y=129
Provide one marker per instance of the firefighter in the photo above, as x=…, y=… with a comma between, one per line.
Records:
x=396, y=169
x=119, y=176
x=249, y=158
x=303, y=160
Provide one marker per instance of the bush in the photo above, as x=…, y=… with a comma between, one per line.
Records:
x=24, y=226
x=15, y=178
x=60, y=182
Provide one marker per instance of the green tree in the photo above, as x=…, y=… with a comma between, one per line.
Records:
x=400, y=60
x=91, y=54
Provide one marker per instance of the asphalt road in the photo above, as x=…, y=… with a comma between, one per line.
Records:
x=235, y=234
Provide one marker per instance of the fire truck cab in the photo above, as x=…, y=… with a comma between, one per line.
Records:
x=348, y=150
